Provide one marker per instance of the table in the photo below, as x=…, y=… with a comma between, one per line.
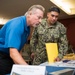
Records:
x=55, y=68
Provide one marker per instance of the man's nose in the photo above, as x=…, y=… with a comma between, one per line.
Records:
x=54, y=18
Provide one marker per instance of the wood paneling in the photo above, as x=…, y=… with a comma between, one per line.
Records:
x=70, y=25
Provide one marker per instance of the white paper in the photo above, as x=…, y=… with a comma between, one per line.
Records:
x=28, y=70
x=70, y=64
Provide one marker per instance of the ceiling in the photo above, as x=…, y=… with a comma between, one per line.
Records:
x=13, y=8
x=66, y=5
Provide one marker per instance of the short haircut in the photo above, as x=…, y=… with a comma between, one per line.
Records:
x=34, y=7
x=54, y=8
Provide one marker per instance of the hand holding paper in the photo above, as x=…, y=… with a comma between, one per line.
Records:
x=57, y=59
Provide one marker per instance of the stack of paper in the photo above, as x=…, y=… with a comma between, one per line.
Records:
x=28, y=70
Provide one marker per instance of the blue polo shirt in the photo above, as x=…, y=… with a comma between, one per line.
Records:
x=14, y=34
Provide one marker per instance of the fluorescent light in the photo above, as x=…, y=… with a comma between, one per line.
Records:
x=3, y=21
x=65, y=6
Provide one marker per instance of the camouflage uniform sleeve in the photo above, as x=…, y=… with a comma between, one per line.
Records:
x=63, y=42
x=33, y=40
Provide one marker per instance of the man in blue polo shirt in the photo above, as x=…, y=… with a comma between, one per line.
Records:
x=13, y=36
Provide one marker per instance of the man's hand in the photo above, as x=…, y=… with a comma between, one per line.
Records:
x=57, y=59
x=32, y=56
x=16, y=57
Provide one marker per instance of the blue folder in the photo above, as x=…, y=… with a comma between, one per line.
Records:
x=51, y=69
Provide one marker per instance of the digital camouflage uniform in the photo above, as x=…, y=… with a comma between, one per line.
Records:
x=26, y=52
x=44, y=33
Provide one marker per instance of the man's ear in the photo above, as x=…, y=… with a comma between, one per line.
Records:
x=47, y=15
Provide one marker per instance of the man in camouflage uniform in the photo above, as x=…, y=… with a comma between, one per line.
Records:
x=49, y=31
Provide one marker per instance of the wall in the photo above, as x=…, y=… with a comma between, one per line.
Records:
x=70, y=25
x=1, y=25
